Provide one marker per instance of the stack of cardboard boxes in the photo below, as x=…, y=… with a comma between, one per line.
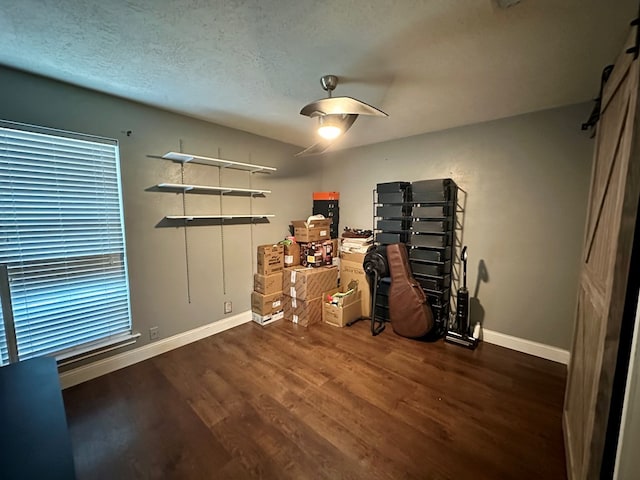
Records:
x=287, y=287
x=303, y=290
x=267, y=299
x=301, y=300
x=303, y=287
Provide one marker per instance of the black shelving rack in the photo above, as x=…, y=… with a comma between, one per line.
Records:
x=330, y=209
x=432, y=242
x=392, y=224
x=421, y=215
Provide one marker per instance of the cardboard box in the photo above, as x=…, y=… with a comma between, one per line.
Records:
x=351, y=269
x=267, y=319
x=317, y=254
x=285, y=274
x=348, y=308
x=267, y=284
x=336, y=254
x=270, y=259
x=292, y=255
x=266, y=304
x=309, y=283
x=303, y=312
x=312, y=231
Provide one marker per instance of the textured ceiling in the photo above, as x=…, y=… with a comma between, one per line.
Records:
x=252, y=64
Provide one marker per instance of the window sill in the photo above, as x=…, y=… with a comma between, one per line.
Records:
x=76, y=354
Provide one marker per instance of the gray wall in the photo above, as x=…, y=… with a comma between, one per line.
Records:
x=157, y=266
x=526, y=179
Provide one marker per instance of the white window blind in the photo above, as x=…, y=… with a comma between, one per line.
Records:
x=62, y=239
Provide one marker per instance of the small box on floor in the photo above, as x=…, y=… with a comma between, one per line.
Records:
x=267, y=284
x=267, y=319
x=340, y=306
x=270, y=259
x=317, y=254
x=266, y=304
x=351, y=269
x=303, y=312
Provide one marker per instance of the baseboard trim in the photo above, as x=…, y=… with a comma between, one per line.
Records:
x=116, y=362
x=122, y=360
x=541, y=350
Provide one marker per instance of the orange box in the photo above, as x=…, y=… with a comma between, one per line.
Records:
x=326, y=195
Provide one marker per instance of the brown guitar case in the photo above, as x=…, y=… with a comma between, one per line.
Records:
x=409, y=311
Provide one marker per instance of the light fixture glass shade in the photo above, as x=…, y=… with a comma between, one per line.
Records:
x=329, y=127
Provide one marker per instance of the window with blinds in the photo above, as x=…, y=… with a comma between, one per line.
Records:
x=62, y=241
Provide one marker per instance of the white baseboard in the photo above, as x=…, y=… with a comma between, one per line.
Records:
x=116, y=362
x=541, y=350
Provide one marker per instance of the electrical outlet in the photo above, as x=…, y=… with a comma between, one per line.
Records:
x=154, y=334
x=227, y=307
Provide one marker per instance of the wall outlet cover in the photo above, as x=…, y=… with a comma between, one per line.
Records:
x=154, y=333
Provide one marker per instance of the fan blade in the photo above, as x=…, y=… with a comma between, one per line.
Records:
x=340, y=106
x=348, y=122
x=314, y=149
x=321, y=146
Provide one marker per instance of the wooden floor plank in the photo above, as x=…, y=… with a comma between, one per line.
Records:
x=133, y=424
x=241, y=436
x=372, y=464
x=286, y=401
x=191, y=386
x=315, y=450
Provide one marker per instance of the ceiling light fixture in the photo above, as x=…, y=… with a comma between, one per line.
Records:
x=330, y=126
x=335, y=115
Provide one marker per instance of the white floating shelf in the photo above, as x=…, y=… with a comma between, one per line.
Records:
x=223, y=217
x=207, y=188
x=187, y=157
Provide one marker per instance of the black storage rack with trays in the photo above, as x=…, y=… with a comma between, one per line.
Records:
x=330, y=209
x=432, y=242
x=392, y=211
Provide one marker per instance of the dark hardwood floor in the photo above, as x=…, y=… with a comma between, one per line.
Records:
x=322, y=403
